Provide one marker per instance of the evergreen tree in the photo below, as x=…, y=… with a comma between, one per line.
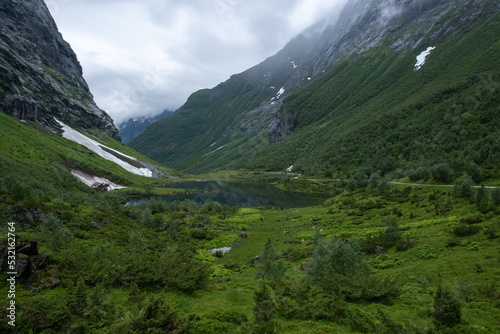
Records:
x=172, y=232
x=264, y=311
x=137, y=242
x=482, y=199
x=335, y=259
x=147, y=218
x=384, y=184
x=474, y=171
x=463, y=187
x=392, y=233
x=495, y=197
x=374, y=180
x=269, y=267
x=265, y=308
x=78, y=297
x=447, y=311
x=442, y=172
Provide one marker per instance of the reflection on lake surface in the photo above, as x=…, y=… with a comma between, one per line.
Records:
x=243, y=195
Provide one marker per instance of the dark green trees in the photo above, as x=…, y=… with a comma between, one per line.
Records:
x=463, y=187
x=447, y=311
x=483, y=200
x=269, y=267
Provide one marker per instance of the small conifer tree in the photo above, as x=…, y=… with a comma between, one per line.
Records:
x=447, y=311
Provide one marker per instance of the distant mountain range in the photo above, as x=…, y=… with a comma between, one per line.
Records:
x=350, y=94
x=135, y=126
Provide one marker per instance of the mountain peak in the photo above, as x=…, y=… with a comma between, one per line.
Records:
x=41, y=75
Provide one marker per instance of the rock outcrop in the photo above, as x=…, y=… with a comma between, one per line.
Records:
x=40, y=76
x=31, y=266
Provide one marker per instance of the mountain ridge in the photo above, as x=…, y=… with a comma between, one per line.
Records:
x=246, y=114
x=133, y=127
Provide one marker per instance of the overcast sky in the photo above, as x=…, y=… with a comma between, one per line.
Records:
x=140, y=57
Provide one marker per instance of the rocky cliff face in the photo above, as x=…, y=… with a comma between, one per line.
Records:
x=40, y=76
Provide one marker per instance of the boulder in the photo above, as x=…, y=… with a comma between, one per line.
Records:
x=27, y=248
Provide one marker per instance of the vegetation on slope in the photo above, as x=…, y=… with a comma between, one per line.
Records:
x=375, y=111
x=370, y=261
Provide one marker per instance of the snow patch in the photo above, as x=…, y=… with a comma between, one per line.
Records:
x=281, y=92
x=294, y=66
x=213, y=143
x=309, y=78
x=421, y=58
x=95, y=181
x=289, y=169
x=220, y=147
x=224, y=250
x=103, y=151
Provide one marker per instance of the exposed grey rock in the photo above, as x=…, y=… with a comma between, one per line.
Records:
x=243, y=235
x=38, y=262
x=283, y=127
x=97, y=227
x=255, y=260
x=40, y=76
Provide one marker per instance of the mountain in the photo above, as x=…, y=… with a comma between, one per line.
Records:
x=63, y=139
x=346, y=94
x=40, y=76
x=135, y=126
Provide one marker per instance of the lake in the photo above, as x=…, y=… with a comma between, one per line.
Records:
x=243, y=195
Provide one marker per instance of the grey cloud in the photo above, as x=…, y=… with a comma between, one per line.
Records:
x=142, y=56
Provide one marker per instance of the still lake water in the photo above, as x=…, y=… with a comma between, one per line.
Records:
x=243, y=195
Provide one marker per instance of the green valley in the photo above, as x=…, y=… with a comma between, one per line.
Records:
x=402, y=157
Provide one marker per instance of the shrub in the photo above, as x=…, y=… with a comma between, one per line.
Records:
x=404, y=244
x=57, y=235
x=463, y=230
x=473, y=219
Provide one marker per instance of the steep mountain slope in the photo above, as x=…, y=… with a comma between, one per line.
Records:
x=396, y=117
x=135, y=126
x=40, y=76
x=41, y=84
x=365, y=59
